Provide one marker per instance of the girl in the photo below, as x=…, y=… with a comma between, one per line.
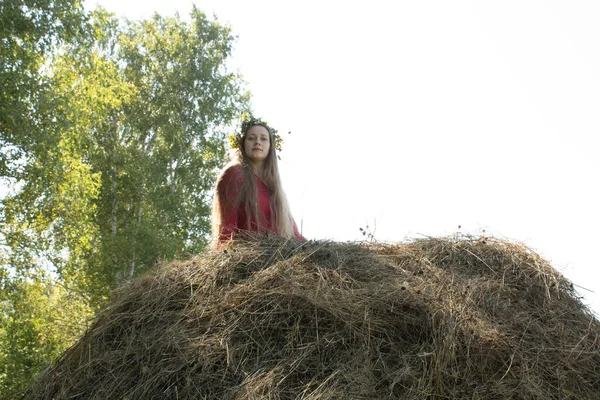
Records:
x=248, y=193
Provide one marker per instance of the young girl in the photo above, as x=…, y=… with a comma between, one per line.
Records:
x=248, y=193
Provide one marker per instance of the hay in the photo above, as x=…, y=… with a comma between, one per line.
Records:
x=452, y=318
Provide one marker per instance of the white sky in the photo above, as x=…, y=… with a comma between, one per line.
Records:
x=418, y=117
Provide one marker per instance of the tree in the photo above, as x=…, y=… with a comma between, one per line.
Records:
x=29, y=30
x=112, y=165
x=38, y=315
x=111, y=138
x=38, y=318
x=158, y=170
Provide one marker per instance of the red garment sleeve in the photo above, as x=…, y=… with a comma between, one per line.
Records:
x=228, y=190
x=297, y=233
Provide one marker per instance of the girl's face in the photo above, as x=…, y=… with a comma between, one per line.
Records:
x=257, y=144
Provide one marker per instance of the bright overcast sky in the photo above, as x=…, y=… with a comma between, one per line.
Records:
x=418, y=117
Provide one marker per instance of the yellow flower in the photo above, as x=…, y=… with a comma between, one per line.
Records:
x=233, y=142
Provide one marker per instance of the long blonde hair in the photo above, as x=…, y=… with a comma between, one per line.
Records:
x=281, y=217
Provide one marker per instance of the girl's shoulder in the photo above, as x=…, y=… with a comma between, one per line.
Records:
x=232, y=174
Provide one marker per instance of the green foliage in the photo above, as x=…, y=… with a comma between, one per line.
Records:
x=39, y=319
x=28, y=31
x=111, y=138
x=164, y=159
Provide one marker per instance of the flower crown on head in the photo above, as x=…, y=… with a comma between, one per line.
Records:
x=248, y=121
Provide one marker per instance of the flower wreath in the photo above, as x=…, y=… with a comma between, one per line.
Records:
x=248, y=121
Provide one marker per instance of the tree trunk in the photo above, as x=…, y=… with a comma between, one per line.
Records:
x=134, y=244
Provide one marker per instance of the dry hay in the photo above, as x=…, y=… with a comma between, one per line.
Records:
x=451, y=318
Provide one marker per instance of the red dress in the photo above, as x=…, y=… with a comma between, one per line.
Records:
x=233, y=215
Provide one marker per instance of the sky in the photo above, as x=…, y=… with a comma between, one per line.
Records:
x=428, y=118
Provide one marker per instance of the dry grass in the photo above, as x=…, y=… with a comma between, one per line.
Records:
x=447, y=318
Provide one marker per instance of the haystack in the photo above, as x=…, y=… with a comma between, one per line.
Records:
x=451, y=318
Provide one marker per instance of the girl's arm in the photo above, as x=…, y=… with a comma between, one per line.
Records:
x=228, y=191
x=297, y=233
